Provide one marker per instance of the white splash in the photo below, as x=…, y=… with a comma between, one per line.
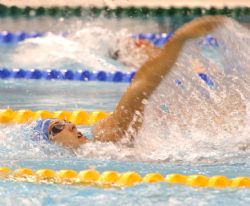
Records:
x=195, y=121
x=185, y=120
x=202, y=122
x=91, y=48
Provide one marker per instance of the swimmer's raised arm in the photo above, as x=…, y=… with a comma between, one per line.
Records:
x=129, y=111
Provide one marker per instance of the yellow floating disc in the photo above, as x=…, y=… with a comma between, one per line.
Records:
x=62, y=115
x=240, y=182
x=23, y=172
x=5, y=170
x=153, y=177
x=197, y=180
x=22, y=116
x=176, y=178
x=79, y=117
x=6, y=115
x=218, y=181
x=109, y=177
x=66, y=174
x=42, y=114
x=88, y=175
x=46, y=174
x=129, y=179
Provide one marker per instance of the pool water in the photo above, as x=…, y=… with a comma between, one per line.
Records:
x=181, y=132
x=68, y=95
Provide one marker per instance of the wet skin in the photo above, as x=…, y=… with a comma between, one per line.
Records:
x=69, y=137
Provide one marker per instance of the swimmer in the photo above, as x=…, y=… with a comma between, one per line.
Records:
x=127, y=117
x=133, y=52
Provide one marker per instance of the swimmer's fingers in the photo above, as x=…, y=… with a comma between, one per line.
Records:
x=200, y=26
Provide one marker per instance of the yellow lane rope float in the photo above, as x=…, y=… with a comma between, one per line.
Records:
x=79, y=117
x=115, y=179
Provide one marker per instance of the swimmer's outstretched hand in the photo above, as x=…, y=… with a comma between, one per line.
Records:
x=200, y=26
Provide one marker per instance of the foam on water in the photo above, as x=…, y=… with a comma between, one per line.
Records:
x=17, y=145
x=202, y=122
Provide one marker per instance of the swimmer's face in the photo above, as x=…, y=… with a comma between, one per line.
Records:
x=65, y=134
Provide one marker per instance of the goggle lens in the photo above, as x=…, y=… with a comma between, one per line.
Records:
x=57, y=128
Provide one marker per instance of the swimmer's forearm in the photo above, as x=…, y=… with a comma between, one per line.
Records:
x=157, y=67
x=145, y=81
x=129, y=111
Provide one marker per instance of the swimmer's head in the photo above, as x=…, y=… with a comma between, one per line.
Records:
x=40, y=129
x=59, y=132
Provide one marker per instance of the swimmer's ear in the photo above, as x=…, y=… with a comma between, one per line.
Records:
x=201, y=26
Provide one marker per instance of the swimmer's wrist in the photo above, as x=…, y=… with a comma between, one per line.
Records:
x=178, y=39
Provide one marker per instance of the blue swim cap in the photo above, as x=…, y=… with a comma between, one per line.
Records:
x=40, y=129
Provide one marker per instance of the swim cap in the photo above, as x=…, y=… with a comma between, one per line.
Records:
x=40, y=129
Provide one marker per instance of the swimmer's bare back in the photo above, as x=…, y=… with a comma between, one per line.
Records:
x=127, y=117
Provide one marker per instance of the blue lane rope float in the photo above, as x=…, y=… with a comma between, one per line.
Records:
x=79, y=75
x=157, y=40
x=11, y=38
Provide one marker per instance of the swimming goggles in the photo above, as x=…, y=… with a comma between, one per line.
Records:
x=57, y=128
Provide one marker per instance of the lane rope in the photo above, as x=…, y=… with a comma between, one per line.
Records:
x=7, y=37
x=115, y=179
x=120, y=12
x=78, y=117
x=68, y=74
x=89, y=75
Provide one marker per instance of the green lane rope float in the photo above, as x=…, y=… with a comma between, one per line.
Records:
x=115, y=179
x=79, y=117
x=14, y=11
